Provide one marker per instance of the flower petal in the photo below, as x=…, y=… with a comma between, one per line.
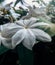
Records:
x=17, y=38
x=29, y=39
x=41, y=35
x=33, y=20
x=26, y=22
x=0, y=39
x=7, y=43
x=11, y=25
x=39, y=24
x=20, y=22
x=9, y=30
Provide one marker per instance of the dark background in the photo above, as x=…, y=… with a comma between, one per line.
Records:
x=44, y=53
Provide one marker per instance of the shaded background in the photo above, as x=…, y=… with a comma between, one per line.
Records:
x=44, y=53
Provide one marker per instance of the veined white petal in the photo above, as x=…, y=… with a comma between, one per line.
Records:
x=32, y=21
x=34, y=37
x=15, y=15
x=17, y=38
x=26, y=22
x=41, y=35
x=0, y=27
x=7, y=43
x=9, y=30
x=11, y=26
x=20, y=22
x=8, y=33
x=39, y=24
x=29, y=39
x=0, y=39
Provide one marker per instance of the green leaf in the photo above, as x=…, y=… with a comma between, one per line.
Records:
x=3, y=49
x=17, y=1
x=1, y=1
x=44, y=20
x=25, y=55
x=52, y=2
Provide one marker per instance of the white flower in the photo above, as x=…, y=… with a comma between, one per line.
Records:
x=36, y=12
x=24, y=31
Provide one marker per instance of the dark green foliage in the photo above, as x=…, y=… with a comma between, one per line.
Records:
x=53, y=19
x=3, y=49
x=51, y=10
x=1, y=1
x=52, y=2
x=17, y=1
x=25, y=55
x=3, y=20
x=22, y=12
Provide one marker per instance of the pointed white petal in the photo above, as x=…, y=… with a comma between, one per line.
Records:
x=41, y=35
x=0, y=39
x=39, y=24
x=0, y=28
x=15, y=15
x=17, y=38
x=9, y=30
x=20, y=22
x=26, y=22
x=29, y=39
x=7, y=43
x=32, y=21
x=11, y=25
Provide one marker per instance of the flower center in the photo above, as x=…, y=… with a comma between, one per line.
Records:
x=26, y=27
